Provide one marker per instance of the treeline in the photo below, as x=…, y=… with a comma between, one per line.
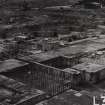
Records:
x=34, y=3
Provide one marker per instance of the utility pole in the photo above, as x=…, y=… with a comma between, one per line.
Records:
x=101, y=3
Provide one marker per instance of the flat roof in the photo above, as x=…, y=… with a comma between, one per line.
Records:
x=39, y=57
x=70, y=97
x=11, y=64
x=89, y=67
x=70, y=70
x=83, y=46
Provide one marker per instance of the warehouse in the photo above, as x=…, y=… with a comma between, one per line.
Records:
x=91, y=72
x=48, y=79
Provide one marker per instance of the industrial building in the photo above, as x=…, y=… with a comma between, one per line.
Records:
x=91, y=72
x=45, y=78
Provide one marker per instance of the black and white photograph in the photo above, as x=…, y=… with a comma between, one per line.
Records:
x=52, y=52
